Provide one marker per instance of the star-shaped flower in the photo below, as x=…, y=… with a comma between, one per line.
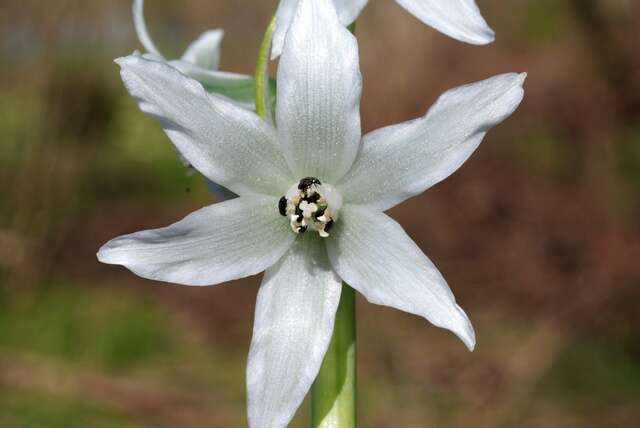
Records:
x=312, y=195
x=200, y=62
x=460, y=19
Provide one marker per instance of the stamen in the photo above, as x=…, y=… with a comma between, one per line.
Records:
x=314, y=198
x=310, y=205
x=307, y=182
x=308, y=209
x=328, y=226
x=282, y=206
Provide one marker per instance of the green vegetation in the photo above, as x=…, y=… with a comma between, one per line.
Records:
x=24, y=410
x=596, y=372
x=89, y=327
x=549, y=154
x=628, y=157
x=543, y=22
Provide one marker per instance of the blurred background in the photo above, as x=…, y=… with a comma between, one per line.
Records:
x=537, y=234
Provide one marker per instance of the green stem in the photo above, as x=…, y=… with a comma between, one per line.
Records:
x=263, y=92
x=333, y=395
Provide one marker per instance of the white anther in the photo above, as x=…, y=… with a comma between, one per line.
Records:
x=303, y=205
x=308, y=208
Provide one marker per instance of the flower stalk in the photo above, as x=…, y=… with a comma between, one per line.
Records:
x=264, y=106
x=333, y=394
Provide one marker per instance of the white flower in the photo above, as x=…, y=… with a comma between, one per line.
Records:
x=460, y=19
x=200, y=61
x=330, y=184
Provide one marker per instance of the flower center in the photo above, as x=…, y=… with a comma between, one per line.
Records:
x=311, y=205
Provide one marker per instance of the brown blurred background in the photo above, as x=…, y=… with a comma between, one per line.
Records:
x=538, y=234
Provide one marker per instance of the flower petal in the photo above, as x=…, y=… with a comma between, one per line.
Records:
x=460, y=19
x=284, y=15
x=229, y=145
x=319, y=86
x=237, y=87
x=348, y=11
x=403, y=160
x=374, y=255
x=218, y=243
x=141, y=28
x=205, y=50
x=292, y=330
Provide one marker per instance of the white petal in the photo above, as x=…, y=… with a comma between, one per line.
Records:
x=141, y=28
x=218, y=243
x=373, y=254
x=403, y=160
x=319, y=86
x=205, y=50
x=460, y=19
x=292, y=330
x=348, y=11
x=284, y=15
x=229, y=145
x=236, y=87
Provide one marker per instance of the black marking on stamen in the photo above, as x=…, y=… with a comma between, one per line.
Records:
x=313, y=198
x=319, y=213
x=299, y=214
x=282, y=206
x=307, y=182
x=328, y=226
x=302, y=229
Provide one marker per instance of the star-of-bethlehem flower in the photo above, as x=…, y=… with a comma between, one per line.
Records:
x=460, y=19
x=312, y=195
x=200, y=62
